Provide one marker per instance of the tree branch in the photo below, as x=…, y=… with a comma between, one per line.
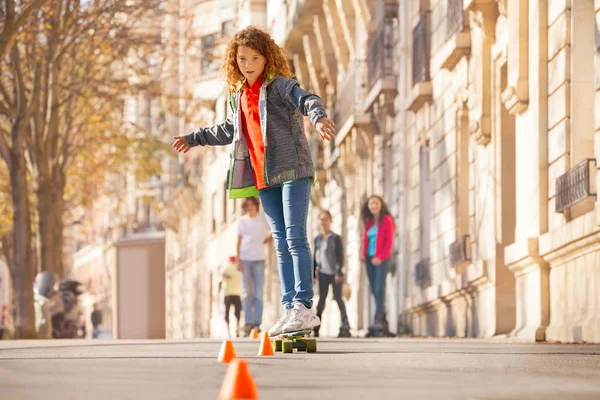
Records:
x=11, y=26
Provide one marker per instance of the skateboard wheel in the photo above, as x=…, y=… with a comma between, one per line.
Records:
x=277, y=344
x=287, y=346
x=311, y=345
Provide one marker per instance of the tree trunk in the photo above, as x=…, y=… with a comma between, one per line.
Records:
x=45, y=229
x=23, y=268
x=50, y=205
x=57, y=213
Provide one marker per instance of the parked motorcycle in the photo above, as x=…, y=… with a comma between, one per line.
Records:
x=66, y=324
x=57, y=310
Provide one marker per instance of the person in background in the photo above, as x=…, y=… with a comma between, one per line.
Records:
x=329, y=270
x=231, y=284
x=96, y=321
x=377, y=245
x=253, y=234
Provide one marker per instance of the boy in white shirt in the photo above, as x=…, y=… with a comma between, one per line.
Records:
x=253, y=234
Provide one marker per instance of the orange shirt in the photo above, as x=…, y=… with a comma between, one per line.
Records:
x=252, y=131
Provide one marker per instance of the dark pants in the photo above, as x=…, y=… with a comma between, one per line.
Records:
x=377, y=276
x=236, y=301
x=325, y=281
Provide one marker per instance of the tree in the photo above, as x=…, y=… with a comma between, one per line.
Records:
x=13, y=130
x=13, y=20
x=83, y=48
x=62, y=86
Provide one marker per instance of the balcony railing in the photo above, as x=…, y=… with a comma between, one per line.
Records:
x=455, y=18
x=460, y=251
x=575, y=185
x=421, y=49
x=351, y=94
x=381, y=61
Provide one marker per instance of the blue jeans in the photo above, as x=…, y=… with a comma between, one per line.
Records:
x=377, y=276
x=286, y=209
x=253, y=278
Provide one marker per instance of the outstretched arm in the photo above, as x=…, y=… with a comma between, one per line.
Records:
x=218, y=135
x=308, y=104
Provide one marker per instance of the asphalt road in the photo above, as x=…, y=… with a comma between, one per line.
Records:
x=346, y=369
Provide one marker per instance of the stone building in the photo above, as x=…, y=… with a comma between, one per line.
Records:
x=474, y=119
x=346, y=52
x=501, y=228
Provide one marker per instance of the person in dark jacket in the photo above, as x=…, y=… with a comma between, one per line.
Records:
x=329, y=270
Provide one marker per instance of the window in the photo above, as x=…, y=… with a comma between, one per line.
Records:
x=209, y=63
x=455, y=18
x=420, y=59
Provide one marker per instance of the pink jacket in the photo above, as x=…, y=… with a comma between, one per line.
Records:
x=385, y=238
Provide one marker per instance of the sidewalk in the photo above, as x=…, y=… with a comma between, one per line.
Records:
x=342, y=368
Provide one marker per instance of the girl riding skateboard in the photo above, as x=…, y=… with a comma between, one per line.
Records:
x=270, y=157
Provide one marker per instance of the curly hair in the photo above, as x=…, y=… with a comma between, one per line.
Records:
x=260, y=41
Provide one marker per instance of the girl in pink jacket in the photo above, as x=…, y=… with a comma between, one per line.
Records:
x=377, y=245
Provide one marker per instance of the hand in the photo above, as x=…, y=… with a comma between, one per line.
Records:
x=325, y=128
x=339, y=279
x=239, y=266
x=376, y=261
x=181, y=145
x=362, y=258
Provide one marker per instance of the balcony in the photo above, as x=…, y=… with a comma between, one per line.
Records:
x=349, y=110
x=382, y=76
x=421, y=75
x=575, y=185
x=458, y=39
x=460, y=252
x=422, y=275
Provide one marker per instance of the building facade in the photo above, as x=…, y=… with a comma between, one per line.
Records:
x=473, y=119
x=500, y=158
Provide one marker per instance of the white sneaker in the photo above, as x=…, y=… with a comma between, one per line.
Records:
x=301, y=318
x=276, y=329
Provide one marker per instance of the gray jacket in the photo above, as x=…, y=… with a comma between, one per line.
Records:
x=282, y=103
x=334, y=253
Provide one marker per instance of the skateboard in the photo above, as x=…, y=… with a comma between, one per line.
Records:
x=287, y=342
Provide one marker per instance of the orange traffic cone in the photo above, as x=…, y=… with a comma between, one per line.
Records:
x=265, y=347
x=254, y=334
x=227, y=352
x=238, y=383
